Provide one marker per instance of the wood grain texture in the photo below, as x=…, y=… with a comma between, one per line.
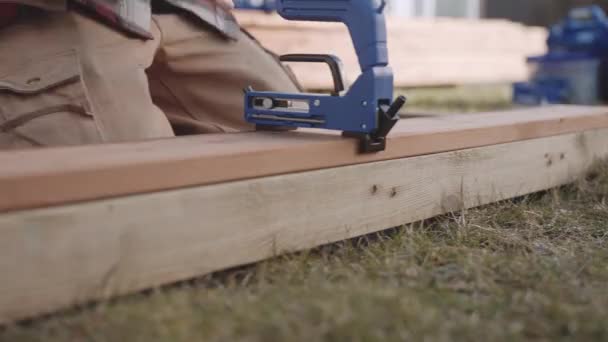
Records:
x=53, y=258
x=48, y=177
x=423, y=52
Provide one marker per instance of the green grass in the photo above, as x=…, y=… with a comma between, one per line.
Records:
x=458, y=99
x=533, y=268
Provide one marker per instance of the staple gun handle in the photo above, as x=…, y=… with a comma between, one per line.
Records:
x=364, y=18
x=334, y=63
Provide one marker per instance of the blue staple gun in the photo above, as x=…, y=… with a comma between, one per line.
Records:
x=366, y=110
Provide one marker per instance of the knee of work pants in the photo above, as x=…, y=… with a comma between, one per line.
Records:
x=68, y=80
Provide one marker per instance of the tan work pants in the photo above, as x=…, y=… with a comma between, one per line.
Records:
x=68, y=80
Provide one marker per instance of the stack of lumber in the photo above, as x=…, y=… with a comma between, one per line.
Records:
x=423, y=52
x=91, y=222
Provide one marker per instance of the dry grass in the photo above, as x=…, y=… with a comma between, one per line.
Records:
x=534, y=268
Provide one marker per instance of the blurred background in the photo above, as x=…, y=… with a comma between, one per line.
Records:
x=451, y=52
x=529, y=12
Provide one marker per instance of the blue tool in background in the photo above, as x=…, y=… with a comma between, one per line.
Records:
x=584, y=30
x=574, y=69
x=366, y=110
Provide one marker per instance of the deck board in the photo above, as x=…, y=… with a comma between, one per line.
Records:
x=38, y=178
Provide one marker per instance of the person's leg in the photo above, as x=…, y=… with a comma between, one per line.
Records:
x=68, y=80
x=198, y=76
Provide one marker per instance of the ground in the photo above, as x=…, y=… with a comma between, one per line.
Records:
x=533, y=268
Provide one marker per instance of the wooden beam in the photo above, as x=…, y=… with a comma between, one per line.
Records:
x=53, y=258
x=38, y=178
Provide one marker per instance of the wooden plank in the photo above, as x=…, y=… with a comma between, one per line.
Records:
x=423, y=52
x=53, y=258
x=39, y=178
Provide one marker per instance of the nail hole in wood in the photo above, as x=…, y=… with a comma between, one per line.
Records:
x=394, y=192
x=374, y=189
